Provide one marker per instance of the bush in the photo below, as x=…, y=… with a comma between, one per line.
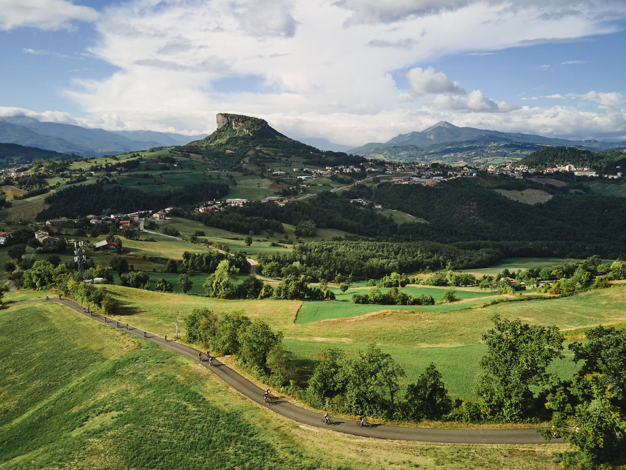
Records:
x=450, y=296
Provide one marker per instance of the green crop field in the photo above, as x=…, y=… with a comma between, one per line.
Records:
x=78, y=394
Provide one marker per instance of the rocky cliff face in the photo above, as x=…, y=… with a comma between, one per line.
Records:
x=242, y=125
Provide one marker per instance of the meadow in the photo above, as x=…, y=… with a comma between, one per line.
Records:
x=449, y=335
x=78, y=394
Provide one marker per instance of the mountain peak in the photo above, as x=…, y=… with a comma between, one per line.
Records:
x=442, y=124
x=239, y=121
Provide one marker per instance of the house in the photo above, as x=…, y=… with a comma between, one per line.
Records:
x=124, y=224
x=236, y=202
x=41, y=234
x=105, y=245
x=159, y=215
x=59, y=221
x=4, y=237
x=48, y=240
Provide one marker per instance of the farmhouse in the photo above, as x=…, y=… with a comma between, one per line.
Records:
x=105, y=245
x=159, y=215
x=124, y=224
x=4, y=236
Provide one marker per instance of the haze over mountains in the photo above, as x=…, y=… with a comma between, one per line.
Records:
x=445, y=139
x=85, y=142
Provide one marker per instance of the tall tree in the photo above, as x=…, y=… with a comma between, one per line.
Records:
x=517, y=358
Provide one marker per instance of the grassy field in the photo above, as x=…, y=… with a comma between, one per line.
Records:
x=24, y=210
x=12, y=191
x=515, y=264
x=401, y=217
x=528, y=196
x=608, y=189
x=448, y=334
x=77, y=394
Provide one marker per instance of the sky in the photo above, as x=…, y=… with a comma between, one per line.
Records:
x=348, y=71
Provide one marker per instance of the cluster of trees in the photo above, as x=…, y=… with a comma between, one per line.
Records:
x=97, y=198
x=251, y=342
x=45, y=275
x=551, y=157
x=393, y=296
x=364, y=260
x=369, y=383
x=207, y=262
x=219, y=284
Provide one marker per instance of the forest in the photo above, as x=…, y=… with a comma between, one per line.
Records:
x=98, y=199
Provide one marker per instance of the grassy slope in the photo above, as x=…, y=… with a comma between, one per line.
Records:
x=25, y=209
x=76, y=394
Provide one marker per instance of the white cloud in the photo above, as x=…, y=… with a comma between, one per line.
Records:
x=574, y=62
x=480, y=54
x=46, y=116
x=476, y=101
x=426, y=81
x=390, y=11
x=605, y=99
x=545, y=67
x=43, y=52
x=43, y=14
x=323, y=73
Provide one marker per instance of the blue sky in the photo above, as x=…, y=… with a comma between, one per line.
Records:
x=350, y=71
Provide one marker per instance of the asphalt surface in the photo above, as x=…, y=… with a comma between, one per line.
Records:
x=313, y=419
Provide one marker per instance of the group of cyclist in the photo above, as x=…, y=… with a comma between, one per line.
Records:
x=266, y=395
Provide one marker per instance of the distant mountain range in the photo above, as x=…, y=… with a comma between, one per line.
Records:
x=82, y=141
x=449, y=143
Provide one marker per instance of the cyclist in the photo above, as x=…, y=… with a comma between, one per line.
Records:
x=117, y=324
x=326, y=418
x=165, y=338
x=266, y=395
x=362, y=420
x=211, y=361
x=200, y=356
x=145, y=335
x=127, y=326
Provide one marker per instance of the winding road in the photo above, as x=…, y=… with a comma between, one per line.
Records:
x=313, y=419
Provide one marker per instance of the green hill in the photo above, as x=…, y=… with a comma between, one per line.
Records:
x=13, y=155
x=551, y=157
x=238, y=138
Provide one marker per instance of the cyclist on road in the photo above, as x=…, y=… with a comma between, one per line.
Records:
x=165, y=338
x=211, y=361
x=326, y=418
x=200, y=356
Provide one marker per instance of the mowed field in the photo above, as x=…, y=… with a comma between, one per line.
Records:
x=77, y=394
x=528, y=196
x=448, y=334
x=515, y=264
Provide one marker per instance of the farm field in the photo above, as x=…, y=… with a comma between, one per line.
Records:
x=528, y=196
x=448, y=335
x=120, y=402
x=401, y=217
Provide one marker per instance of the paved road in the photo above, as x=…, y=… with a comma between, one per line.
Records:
x=310, y=418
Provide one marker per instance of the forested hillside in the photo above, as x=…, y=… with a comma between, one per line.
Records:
x=14, y=155
x=551, y=157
